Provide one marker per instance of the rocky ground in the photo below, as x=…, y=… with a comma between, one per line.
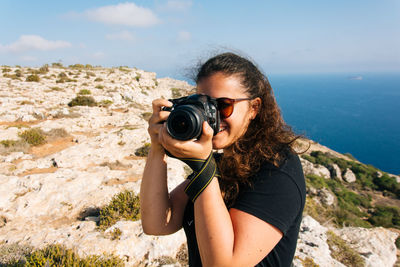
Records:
x=47, y=191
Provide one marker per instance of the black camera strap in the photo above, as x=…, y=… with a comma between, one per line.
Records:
x=203, y=172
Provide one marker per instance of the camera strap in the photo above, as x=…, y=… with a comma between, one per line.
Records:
x=203, y=172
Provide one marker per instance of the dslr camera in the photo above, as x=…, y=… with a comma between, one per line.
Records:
x=188, y=114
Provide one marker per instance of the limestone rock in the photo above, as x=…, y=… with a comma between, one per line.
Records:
x=326, y=197
x=312, y=243
x=375, y=245
x=335, y=171
x=349, y=176
x=315, y=169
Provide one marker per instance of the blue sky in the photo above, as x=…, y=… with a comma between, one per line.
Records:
x=166, y=36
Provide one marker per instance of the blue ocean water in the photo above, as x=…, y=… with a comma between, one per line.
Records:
x=359, y=115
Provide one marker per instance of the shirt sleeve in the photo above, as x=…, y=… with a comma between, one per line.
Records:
x=274, y=198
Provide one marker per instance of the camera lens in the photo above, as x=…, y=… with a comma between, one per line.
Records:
x=180, y=124
x=185, y=122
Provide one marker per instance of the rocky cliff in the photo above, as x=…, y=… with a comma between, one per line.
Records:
x=74, y=138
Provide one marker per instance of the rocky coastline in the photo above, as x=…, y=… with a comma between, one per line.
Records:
x=51, y=192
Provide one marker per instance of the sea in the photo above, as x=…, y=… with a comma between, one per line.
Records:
x=349, y=113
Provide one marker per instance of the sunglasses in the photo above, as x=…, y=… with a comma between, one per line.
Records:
x=225, y=105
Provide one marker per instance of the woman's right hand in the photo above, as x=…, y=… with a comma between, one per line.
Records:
x=156, y=121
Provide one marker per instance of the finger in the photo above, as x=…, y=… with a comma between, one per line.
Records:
x=157, y=104
x=158, y=117
x=207, y=134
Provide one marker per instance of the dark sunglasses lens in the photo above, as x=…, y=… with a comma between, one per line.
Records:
x=225, y=107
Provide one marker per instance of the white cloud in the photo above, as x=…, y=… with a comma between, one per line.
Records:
x=127, y=14
x=34, y=42
x=184, y=36
x=123, y=35
x=178, y=5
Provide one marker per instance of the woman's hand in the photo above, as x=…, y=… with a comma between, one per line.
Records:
x=198, y=149
x=156, y=121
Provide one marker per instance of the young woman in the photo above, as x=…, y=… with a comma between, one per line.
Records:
x=249, y=214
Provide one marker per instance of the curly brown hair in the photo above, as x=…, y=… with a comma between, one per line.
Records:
x=267, y=139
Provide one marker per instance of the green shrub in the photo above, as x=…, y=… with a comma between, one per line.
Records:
x=98, y=79
x=388, y=183
x=33, y=78
x=34, y=136
x=307, y=262
x=25, y=102
x=12, y=76
x=82, y=101
x=309, y=158
x=62, y=75
x=57, y=133
x=77, y=66
x=342, y=252
x=143, y=151
x=58, y=255
x=6, y=69
x=18, y=73
x=365, y=174
x=90, y=74
x=124, y=69
x=105, y=103
x=8, y=143
x=44, y=69
x=397, y=242
x=125, y=205
x=138, y=76
x=115, y=234
x=84, y=92
x=347, y=212
x=386, y=216
x=317, y=211
x=176, y=92
x=99, y=86
x=56, y=88
x=316, y=181
x=57, y=65
x=8, y=146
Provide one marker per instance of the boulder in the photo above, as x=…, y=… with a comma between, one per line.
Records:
x=312, y=244
x=326, y=197
x=349, y=176
x=375, y=245
x=335, y=171
x=315, y=169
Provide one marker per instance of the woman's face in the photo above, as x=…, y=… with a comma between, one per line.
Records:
x=233, y=127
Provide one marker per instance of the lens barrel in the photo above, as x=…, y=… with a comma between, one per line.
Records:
x=185, y=122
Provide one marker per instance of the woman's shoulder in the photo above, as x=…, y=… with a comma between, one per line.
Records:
x=290, y=169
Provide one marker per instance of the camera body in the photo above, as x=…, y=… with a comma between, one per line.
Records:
x=188, y=114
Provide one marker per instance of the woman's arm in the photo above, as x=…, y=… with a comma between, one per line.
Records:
x=225, y=238
x=230, y=238
x=161, y=212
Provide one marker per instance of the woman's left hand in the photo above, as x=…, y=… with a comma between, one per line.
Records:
x=198, y=149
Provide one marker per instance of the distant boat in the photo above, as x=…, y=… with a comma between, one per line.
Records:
x=355, y=77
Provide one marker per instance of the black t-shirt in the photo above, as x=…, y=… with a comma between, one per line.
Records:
x=277, y=197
